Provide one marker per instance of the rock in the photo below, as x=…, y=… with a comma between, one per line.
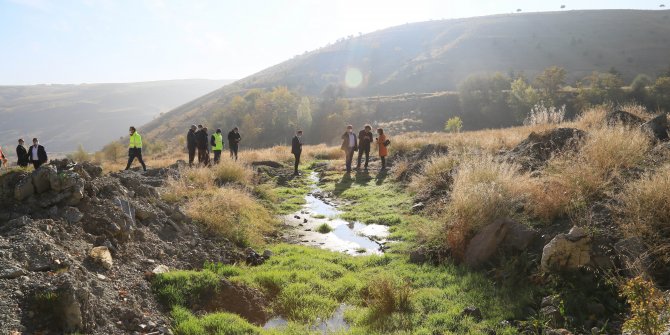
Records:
x=657, y=128
x=487, y=241
x=533, y=152
x=72, y=215
x=40, y=178
x=619, y=117
x=520, y=237
x=552, y=300
x=553, y=315
x=417, y=207
x=567, y=251
x=20, y=222
x=160, y=269
x=267, y=253
x=103, y=256
x=12, y=273
x=418, y=256
x=24, y=189
x=253, y=258
x=472, y=312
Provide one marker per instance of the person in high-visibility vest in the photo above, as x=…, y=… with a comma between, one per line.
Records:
x=135, y=149
x=217, y=145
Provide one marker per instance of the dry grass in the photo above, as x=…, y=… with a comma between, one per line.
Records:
x=233, y=213
x=323, y=152
x=435, y=176
x=277, y=153
x=644, y=207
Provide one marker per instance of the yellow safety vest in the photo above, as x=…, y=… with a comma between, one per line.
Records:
x=135, y=140
x=218, y=141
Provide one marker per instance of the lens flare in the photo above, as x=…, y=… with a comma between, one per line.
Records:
x=353, y=77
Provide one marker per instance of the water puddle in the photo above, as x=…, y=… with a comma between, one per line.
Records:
x=352, y=238
x=334, y=324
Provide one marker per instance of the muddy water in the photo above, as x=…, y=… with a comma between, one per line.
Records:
x=334, y=324
x=352, y=238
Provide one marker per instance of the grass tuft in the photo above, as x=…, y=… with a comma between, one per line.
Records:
x=324, y=228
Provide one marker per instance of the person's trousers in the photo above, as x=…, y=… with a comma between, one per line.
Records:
x=233, y=151
x=135, y=153
x=297, y=161
x=191, y=156
x=203, y=156
x=217, y=156
x=361, y=151
x=350, y=157
x=383, y=162
x=37, y=164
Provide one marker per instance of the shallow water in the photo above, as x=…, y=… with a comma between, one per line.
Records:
x=335, y=323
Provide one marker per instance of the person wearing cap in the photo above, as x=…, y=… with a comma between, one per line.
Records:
x=296, y=150
x=191, y=144
x=349, y=146
x=21, y=154
x=217, y=145
x=234, y=139
x=135, y=149
x=37, y=154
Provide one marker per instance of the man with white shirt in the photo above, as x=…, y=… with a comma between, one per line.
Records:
x=37, y=154
x=349, y=145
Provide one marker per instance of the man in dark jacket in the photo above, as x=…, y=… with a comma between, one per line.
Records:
x=234, y=139
x=191, y=144
x=21, y=154
x=296, y=149
x=37, y=154
x=364, y=141
x=349, y=145
x=201, y=143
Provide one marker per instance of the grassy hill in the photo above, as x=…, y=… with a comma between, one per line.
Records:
x=437, y=55
x=63, y=116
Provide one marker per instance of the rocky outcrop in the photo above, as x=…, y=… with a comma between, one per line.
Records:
x=657, y=128
x=567, y=251
x=533, y=152
x=622, y=118
x=490, y=239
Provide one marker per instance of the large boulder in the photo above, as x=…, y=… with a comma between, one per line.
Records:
x=24, y=189
x=567, y=251
x=102, y=256
x=622, y=118
x=657, y=128
x=501, y=233
x=538, y=148
x=42, y=178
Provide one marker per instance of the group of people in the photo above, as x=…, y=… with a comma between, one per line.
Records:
x=198, y=140
x=35, y=154
x=351, y=144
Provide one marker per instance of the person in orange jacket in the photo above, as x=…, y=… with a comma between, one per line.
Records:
x=382, y=143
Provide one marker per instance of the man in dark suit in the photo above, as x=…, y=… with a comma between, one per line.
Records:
x=22, y=154
x=37, y=154
x=201, y=143
x=349, y=145
x=234, y=139
x=296, y=149
x=364, y=141
x=191, y=144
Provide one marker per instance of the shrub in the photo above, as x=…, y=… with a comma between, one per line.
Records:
x=80, y=155
x=454, y=125
x=435, y=176
x=228, y=171
x=385, y=295
x=215, y=323
x=541, y=114
x=324, y=228
x=232, y=213
x=648, y=308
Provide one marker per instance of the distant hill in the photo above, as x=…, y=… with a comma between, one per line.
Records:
x=436, y=56
x=63, y=116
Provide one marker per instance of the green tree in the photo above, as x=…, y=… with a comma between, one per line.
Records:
x=522, y=98
x=599, y=88
x=484, y=98
x=661, y=93
x=454, y=125
x=549, y=84
x=639, y=88
x=304, y=114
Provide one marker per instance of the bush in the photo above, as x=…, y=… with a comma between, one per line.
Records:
x=324, y=228
x=541, y=114
x=80, y=155
x=454, y=125
x=435, y=176
x=648, y=308
x=385, y=295
x=228, y=171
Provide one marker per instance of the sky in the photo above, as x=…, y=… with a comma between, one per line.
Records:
x=94, y=41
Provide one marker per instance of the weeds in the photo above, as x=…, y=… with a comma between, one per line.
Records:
x=648, y=308
x=324, y=228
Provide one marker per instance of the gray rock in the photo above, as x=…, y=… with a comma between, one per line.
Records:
x=12, y=273
x=472, y=312
x=267, y=253
x=567, y=251
x=554, y=316
x=619, y=117
x=486, y=242
x=24, y=189
x=41, y=178
x=72, y=215
x=657, y=128
x=160, y=269
x=552, y=300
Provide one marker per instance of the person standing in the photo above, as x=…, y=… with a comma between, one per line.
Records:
x=21, y=154
x=190, y=144
x=382, y=144
x=201, y=144
x=3, y=159
x=364, y=141
x=217, y=145
x=135, y=149
x=234, y=139
x=349, y=145
x=296, y=150
x=37, y=154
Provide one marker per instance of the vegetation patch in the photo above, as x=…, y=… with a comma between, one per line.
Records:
x=324, y=228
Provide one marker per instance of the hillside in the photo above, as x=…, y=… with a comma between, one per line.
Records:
x=437, y=55
x=64, y=116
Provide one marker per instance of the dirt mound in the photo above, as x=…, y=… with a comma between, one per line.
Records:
x=417, y=158
x=49, y=282
x=533, y=152
x=619, y=117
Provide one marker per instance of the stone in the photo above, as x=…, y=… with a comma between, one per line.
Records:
x=103, y=256
x=552, y=300
x=12, y=273
x=619, y=117
x=24, y=189
x=417, y=207
x=553, y=315
x=567, y=251
x=486, y=242
x=20, y=221
x=472, y=312
x=657, y=128
x=40, y=178
x=267, y=253
x=72, y=215
x=160, y=269
x=520, y=237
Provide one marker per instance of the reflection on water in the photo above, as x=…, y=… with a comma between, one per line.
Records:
x=334, y=324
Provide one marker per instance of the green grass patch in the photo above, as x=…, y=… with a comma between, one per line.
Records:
x=290, y=193
x=324, y=228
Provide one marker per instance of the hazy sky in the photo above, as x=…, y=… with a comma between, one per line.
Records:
x=86, y=41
